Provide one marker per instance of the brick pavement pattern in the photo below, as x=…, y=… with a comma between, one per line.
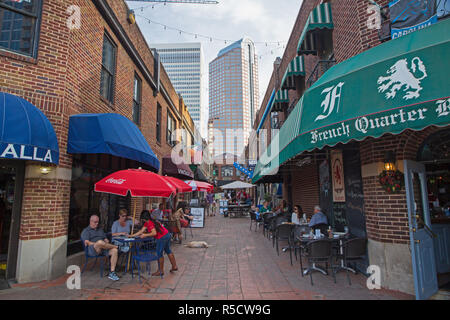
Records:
x=239, y=264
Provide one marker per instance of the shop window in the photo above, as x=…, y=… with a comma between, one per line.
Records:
x=19, y=21
x=108, y=69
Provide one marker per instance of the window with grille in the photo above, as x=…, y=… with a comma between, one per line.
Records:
x=19, y=26
x=108, y=69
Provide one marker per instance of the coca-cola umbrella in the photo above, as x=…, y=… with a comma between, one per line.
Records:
x=200, y=186
x=138, y=182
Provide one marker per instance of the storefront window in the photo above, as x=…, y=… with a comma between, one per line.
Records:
x=84, y=201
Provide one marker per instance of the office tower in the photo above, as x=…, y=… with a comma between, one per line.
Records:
x=233, y=96
x=183, y=63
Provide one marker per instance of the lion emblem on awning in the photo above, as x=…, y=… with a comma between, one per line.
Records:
x=400, y=76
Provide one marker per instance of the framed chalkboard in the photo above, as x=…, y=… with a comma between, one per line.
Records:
x=354, y=193
x=325, y=192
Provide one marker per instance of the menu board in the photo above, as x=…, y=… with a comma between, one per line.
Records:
x=339, y=214
x=325, y=193
x=354, y=193
x=199, y=217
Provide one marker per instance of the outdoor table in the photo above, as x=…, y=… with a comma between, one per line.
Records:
x=341, y=237
x=130, y=242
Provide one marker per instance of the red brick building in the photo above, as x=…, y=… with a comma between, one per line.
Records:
x=69, y=58
x=369, y=211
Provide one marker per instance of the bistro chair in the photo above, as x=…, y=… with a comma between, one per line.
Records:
x=87, y=256
x=317, y=251
x=284, y=233
x=273, y=227
x=353, y=250
x=254, y=220
x=267, y=218
x=185, y=230
x=144, y=251
x=298, y=231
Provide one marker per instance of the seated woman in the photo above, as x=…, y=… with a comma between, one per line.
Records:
x=297, y=215
x=180, y=214
x=153, y=228
x=265, y=208
x=283, y=209
x=121, y=227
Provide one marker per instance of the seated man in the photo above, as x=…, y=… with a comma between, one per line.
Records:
x=94, y=238
x=318, y=219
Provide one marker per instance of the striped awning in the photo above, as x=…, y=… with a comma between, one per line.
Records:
x=319, y=18
x=281, y=100
x=295, y=69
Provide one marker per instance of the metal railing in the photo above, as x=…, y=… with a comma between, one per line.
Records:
x=319, y=69
x=291, y=107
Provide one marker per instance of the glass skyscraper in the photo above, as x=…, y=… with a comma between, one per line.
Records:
x=233, y=96
x=183, y=63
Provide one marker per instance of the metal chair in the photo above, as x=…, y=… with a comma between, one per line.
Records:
x=318, y=251
x=298, y=231
x=353, y=250
x=144, y=251
x=267, y=218
x=87, y=256
x=255, y=220
x=273, y=226
x=283, y=232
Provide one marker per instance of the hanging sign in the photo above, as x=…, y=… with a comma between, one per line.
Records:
x=337, y=173
x=408, y=16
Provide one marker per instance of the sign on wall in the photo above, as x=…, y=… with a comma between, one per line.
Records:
x=337, y=174
x=199, y=217
x=408, y=16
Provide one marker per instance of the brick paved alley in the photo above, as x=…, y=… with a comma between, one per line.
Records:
x=240, y=264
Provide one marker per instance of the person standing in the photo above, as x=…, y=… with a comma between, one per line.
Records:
x=153, y=228
x=210, y=200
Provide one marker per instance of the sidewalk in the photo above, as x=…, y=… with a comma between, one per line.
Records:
x=239, y=264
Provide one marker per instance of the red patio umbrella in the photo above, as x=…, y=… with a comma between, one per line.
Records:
x=180, y=185
x=139, y=183
x=200, y=186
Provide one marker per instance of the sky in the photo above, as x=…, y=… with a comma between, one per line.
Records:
x=263, y=21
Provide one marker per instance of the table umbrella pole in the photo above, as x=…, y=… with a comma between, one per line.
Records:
x=132, y=231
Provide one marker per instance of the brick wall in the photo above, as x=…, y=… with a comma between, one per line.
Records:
x=64, y=80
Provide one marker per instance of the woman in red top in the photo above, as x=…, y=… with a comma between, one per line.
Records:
x=162, y=236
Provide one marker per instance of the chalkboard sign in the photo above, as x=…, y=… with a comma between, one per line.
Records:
x=354, y=193
x=199, y=217
x=325, y=192
x=339, y=214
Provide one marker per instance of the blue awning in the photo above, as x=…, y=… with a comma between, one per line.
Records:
x=25, y=132
x=109, y=133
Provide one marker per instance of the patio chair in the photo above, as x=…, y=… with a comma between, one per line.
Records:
x=87, y=256
x=185, y=230
x=298, y=231
x=254, y=220
x=275, y=223
x=267, y=218
x=353, y=250
x=144, y=251
x=318, y=251
x=284, y=233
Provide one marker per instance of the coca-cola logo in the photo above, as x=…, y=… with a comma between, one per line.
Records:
x=115, y=181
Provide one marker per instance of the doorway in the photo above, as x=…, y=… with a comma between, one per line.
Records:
x=434, y=154
x=11, y=189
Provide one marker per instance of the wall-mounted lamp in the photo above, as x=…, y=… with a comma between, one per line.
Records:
x=45, y=169
x=389, y=161
x=131, y=17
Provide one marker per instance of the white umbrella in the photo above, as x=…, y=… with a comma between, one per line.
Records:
x=237, y=185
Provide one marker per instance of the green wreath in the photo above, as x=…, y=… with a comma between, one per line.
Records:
x=392, y=181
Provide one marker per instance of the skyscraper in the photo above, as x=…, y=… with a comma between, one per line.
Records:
x=233, y=96
x=183, y=63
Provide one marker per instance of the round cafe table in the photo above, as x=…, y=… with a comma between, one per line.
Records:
x=131, y=243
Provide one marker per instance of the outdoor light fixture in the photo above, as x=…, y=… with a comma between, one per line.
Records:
x=389, y=161
x=131, y=17
x=45, y=169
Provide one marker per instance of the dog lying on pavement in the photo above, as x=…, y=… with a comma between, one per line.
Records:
x=197, y=244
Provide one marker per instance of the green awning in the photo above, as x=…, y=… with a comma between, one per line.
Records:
x=295, y=69
x=319, y=18
x=398, y=85
x=281, y=100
